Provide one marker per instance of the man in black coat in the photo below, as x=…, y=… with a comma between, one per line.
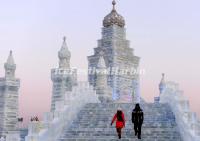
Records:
x=137, y=120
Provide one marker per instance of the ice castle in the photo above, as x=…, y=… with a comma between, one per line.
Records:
x=82, y=111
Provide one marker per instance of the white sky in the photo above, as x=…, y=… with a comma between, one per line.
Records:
x=164, y=33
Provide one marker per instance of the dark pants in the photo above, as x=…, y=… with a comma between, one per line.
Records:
x=137, y=128
x=119, y=131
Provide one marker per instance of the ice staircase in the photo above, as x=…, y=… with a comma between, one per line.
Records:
x=93, y=124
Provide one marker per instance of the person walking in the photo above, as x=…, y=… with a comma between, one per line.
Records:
x=120, y=121
x=137, y=120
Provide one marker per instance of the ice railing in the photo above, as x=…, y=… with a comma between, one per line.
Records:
x=53, y=123
x=187, y=121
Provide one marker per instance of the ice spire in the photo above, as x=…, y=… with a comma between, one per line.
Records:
x=101, y=64
x=10, y=59
x=162, y=84
x=102, y=89
x=10, y=67
x=113, y=3
x=101, y=72
x=64, y=55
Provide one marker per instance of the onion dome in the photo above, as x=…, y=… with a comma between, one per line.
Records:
x=114, y=18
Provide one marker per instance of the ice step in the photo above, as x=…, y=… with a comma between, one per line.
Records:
x=93, y=124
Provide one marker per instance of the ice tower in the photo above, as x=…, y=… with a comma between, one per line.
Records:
x=9, y=105
x=119, y=57
x=63, y=77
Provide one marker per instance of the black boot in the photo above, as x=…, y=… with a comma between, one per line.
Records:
x=119, y=136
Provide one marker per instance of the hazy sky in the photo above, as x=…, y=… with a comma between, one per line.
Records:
x=164, y=33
